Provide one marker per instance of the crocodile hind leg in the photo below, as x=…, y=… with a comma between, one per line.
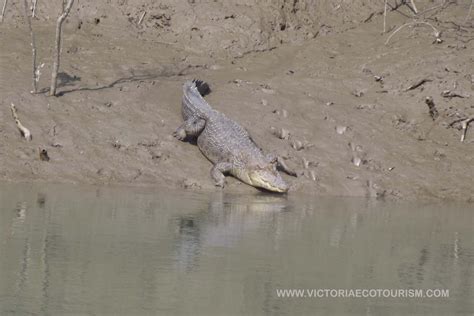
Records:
x=217, y=172
x=191, y=127
x=281, y=164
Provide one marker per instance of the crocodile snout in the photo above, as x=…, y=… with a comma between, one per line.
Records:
x=269, y=180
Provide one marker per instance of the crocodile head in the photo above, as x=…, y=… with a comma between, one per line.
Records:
x=267, y=178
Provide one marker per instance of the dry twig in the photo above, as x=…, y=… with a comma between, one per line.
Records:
x=25, y=133
x=33, y=9
x=436, y=33
x=371, y=15
x=3, y=10
x=140, y=20
x=418, y=83
x=453, y=94
x=413, y=7
x=465, y=125
x=54, y=75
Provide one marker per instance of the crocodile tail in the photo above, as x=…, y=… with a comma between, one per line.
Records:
x=193, y=103
x=202, y=87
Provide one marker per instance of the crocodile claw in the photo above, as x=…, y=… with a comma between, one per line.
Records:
x=180, y=134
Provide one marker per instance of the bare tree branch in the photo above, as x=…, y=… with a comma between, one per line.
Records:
x=33, y=45
x=3, y=10
x=54, y=75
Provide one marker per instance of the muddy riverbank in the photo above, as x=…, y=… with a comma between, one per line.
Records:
x=356, y=124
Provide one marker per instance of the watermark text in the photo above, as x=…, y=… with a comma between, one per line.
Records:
x=362, y=293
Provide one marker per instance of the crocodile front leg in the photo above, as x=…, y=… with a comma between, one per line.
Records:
x=191, y=127
x=281, y=164
x=217, y=172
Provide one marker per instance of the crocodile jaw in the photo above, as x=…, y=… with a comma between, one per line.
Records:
x=269, y=180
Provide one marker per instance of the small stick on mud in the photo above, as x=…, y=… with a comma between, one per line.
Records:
x=385, y=17
x=3, y=10
x=413, y=7
x=432, y=108
x=453, y=94
x=140, y=20
x=33, y=46
x=417, y=84
x=33, y=10
x=25, y=133
x=371, y=15
x=54, y=75
x=436, y=33
x=465, y=125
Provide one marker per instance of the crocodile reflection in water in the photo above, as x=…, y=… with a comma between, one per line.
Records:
x=224, y=222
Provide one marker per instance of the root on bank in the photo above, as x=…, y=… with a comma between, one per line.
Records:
x=25, y=132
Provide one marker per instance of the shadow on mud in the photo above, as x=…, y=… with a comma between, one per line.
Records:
x=164, y=72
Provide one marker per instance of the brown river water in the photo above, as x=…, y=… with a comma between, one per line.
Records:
x=83, y=250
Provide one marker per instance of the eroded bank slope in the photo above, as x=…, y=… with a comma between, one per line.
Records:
x=354, y=127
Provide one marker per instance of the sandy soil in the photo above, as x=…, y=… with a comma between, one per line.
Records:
x=320, y=72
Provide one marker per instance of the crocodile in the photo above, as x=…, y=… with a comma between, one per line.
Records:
x=227, y=144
